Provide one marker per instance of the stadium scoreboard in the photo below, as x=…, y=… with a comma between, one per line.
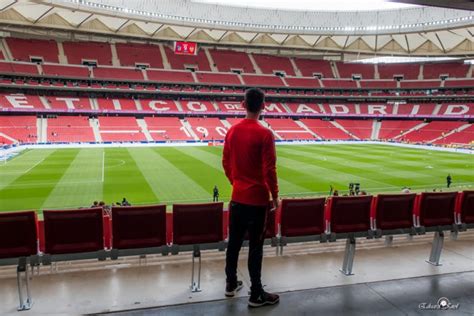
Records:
x=185, y=48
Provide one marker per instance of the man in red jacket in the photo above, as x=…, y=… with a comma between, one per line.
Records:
x=249, y=162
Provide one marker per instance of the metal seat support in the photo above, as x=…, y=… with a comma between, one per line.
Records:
x=436, y=248
x=349, y=255
x=22, y=278
x=196, y=287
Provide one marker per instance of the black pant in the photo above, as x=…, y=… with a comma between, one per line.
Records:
x=245, y=218
x=215, y=198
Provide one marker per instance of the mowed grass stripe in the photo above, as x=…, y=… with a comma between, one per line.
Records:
x=286, y=181
x=201, y=173
x=81, y=183
x=20, y=165
x=123, y=178
x=332, y=173
x=428, y=167
x=30, y=190
x=167, y=181
x=374, y=171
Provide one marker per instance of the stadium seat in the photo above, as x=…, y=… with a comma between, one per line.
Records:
x=197, y=227
x=465, y=209
x=138, y=230
x=301, y=220
x=393, y=214
x=73, y=235
x=19, y=246
x=435, y=212
x=348, y=217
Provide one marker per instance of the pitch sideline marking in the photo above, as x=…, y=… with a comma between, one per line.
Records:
x=29, y=169
x=103, y=163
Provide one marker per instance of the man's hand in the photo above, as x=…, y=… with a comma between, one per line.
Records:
x=275, y=203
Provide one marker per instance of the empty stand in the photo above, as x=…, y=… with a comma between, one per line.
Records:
x=25, y=49
x=20, y=128
x=207, y=128
x=378, y=84
x=431, y=131
x=359, y=128
x=228, y=60
x=287, y=129
x=257, y=80
x=181, y=62
x=325, y=129
x=466, y=136
x=118, y=73
x=407, y=71
x=120, y=129
x=348, y=70
x=420, y=84
x=392, y=129
x=78, y=52
x=70, y=129
x=131, y=54
x=269, y=64
x=65, y=71
x=311, y=67
x=18, y=68
x=218, y=78
x=340, y=84
x=119, y=104
x=302, y=82
x=459, y=83
x=453, y=70
x=170, y=76
x=69, y=103
x=167, y=128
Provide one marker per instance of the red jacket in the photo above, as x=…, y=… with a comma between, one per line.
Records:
x=249, y=162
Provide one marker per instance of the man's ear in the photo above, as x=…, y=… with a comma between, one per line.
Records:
x=244, y=104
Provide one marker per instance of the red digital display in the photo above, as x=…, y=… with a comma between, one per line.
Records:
x=185, y=48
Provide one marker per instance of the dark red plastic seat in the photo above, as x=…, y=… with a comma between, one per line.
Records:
x=436, y=208
x=394, y=211
x=138, y=226
x=74, y=231
x=18, y=234
x=302, y=217
x=467, y=207
x=197, y=223
x=348, y=214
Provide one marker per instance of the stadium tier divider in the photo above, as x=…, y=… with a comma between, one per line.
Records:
x=68, y=235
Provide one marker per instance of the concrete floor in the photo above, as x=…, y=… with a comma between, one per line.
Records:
x=397, y=297
x=90, y=286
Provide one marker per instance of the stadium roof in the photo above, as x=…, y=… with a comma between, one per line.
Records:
x=409, y=30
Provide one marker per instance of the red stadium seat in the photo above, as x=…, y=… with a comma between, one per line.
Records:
x=435, y=212
x=18, y=234
x=138, y=227
x=73, y=232
x=19, y=246
x=196, y=227
x=348, y=217
x=466, y=208
x=301, y=220
x=436, y=209
x=349, y=214
x=393, y=211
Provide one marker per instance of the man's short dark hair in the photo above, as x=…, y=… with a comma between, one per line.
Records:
x=254, y=99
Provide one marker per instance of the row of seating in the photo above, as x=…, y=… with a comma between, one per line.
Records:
x=130, y=54
x=83, y=234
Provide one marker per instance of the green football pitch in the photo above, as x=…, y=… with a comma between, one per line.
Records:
x=67, y=178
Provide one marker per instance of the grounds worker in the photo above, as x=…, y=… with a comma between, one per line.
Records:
x=448, y=180
x=215, y=194
x=249, y=162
